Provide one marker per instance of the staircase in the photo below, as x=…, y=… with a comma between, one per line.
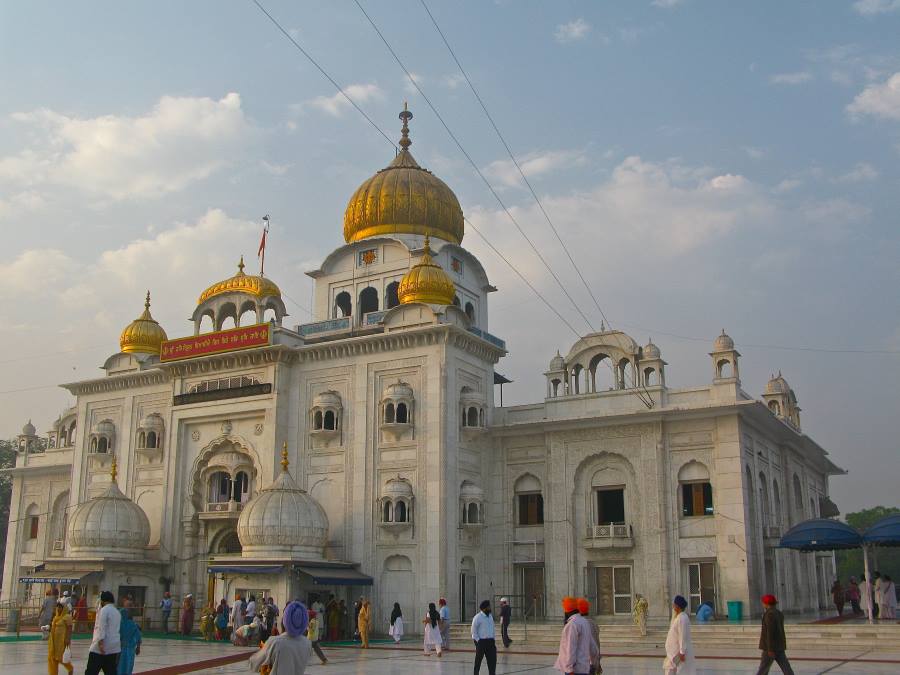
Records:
x=618, y=637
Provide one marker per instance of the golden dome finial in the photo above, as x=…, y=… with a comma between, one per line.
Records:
x=143, y=335
x=406, y=116
x=426, y=282
x=241, y=265
x=284, y=457
x=113, y=470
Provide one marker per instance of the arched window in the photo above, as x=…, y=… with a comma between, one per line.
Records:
x=724, y=368
x=270, y=314
x=142, y=439
x=400, y=512
x=650, y=377
x=32, y=522
x=387, y=515
x=621, y=372
x=248, y=314
x=329, y=420
x=102, y=444
x=472, y=417
x=227, y=323
x=93, y=445
x=529, y=501
x=696, y=490
x=219, y=488
x=776, y=498
x=241, y=487
x=389, y=413
x=402, y=414
x=368, y=300
x=763, y=499
x=456, y=301
x=775, y=407
x=152, y=441
x=472, y=516
x=317, y=420
x=390, y=295
x=230, y=543
x=798, y=494
x=470, y=311
x=554, y=388
x=206, y=323
x=343, y=305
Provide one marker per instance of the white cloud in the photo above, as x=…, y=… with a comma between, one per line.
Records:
x=180, y=141
x=572, y=31
x=665, y=4
x=878, y=100
x=787, y=185
x=533, y=164
x=791, y=78
x=453, y=81
x=863, y=171
x=336, y=105
x=754, y=153
x=409, y=87
x=873, y=7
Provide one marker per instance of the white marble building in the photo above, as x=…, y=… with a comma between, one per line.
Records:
x=401, y=479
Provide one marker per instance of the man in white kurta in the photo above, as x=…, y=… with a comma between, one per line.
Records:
x=679, y=649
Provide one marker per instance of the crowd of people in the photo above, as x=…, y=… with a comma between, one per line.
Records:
x=881, y=593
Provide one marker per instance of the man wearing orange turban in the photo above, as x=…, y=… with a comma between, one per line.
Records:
x=584, y=608
x=577, y=649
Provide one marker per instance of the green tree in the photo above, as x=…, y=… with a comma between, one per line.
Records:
x=885, y=560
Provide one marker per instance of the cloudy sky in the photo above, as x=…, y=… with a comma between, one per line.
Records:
x=710, y=165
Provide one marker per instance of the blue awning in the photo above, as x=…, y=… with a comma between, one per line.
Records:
x=885, y=532
x=335, y=576
x=821, y=534
x=244, y=569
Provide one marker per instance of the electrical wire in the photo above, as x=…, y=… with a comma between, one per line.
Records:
x=475, y=167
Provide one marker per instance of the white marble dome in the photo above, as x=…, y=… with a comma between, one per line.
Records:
x=327, y=399
x=468, y=490
x=398, y=488
x=28, y=429
x=651, y=351
x=109, y=525
x=398, y=390
x=283, y=520
x=723, y=343
x=557, y=362
x=777, y=385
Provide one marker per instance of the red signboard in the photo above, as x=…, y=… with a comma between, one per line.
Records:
x=234, y=339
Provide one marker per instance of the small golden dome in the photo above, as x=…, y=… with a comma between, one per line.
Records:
x=426, y=282
x=403, y=198
x=242, y=283
x=143, y=335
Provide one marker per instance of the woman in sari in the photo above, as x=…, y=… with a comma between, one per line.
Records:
x=208, y=622
x=187, y=615
x=640, y=612
x=364, y=623
x=60, y=638
x=396, y=629
x=130, y=635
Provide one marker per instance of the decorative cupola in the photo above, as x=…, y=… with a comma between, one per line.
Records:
x=28, y=440
x=782, y=401
x=396, y=504
x=652, y=367
x=143, y=335
x=237, y=295
x=471, y=504
x=725, y=359
x=149, y=439
x=404, y=199
x=471, y=410
x=426, y=282
x=397, y=408
x=109, y=526
x=283, y=520
x=556, y=376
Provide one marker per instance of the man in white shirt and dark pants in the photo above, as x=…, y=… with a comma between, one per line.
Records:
x=483, y=636
x=106, y=645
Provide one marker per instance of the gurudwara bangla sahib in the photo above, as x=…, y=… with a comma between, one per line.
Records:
x=364, y=454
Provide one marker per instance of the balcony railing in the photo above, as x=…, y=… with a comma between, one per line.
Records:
x=484, y=335
x=609, y=535
x=222, y=510
x=323, y=327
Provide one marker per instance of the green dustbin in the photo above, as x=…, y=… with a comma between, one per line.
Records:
x=735, y=610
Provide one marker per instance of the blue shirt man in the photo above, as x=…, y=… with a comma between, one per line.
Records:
x=483, y=636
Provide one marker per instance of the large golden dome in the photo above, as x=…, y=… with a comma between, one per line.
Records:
x=426, y=282
x=242, y=283
x=143, y=335
x=403, y=198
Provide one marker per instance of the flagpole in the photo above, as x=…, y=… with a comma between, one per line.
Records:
x=262, y=265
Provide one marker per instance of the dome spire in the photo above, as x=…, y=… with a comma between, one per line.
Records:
x=284, y=457
x=241, y=265
x=405, y=116
x=113, y=471
x=144, y=335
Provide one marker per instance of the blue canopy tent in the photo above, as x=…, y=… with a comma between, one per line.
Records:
x=885, y=532
x=821, y=534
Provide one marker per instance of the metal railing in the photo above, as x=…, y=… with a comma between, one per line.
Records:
x=610, y=531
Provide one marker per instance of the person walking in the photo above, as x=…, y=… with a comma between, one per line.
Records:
x=483, y=635
x=889, y=598
x=67, y=600
x=772, y=641
x=505, y=619
x=363, y=623
x=584, y=608
x=639, y=613
x=444, y=611
x=165, y=606
x=577, y=649
x=357, y=606
x=130, y=638
x=679, y=648
x=59, y=640
x=237, y=612
x=81, y=614
x=853, y=595
x=289, y=652
x=432, y=630
x=314, y=633
x=878, y=592
x=837, y=596
x=222, y=621
x=396, y=629
x=106, y=643
x=334, y=620
x=865, y=595
x=48, y=608
x=187, y=614
x=250, y=612
x=208, y=622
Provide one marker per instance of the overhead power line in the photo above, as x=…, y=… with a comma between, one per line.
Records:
x=475, y=167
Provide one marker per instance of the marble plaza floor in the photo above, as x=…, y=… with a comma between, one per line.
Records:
x=170, y=657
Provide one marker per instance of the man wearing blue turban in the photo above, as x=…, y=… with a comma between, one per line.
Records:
x=679, y=649
x=288, y=652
